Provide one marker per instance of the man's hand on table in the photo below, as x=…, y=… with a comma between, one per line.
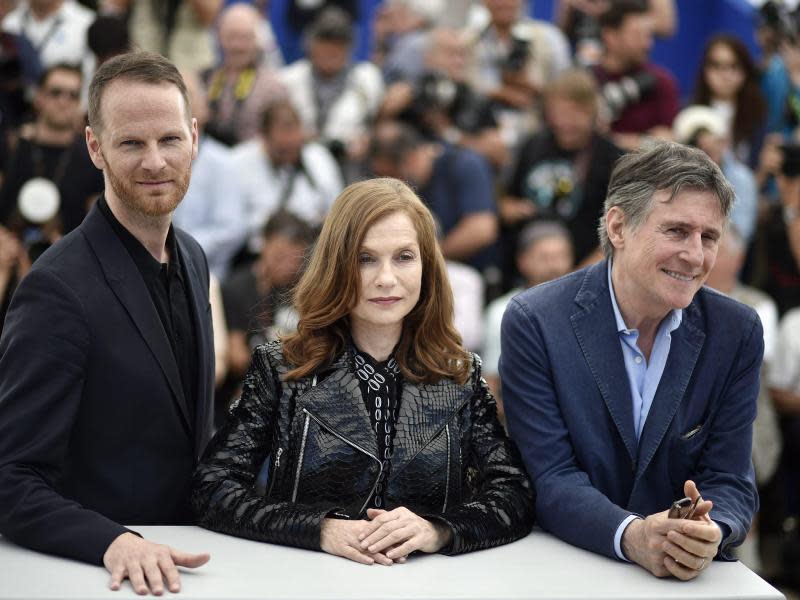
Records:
x=679, y=547
x=148, y=565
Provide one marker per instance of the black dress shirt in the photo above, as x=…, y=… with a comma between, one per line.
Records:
x=166, y=283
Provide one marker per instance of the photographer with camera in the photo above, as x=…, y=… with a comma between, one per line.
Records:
x=562, y=172
x=281, y=171
x=442, y=105
x=641, y=98
x=337, y=99
x=578, y=20
x=455, y=183
x=51, y=149
x=400, y=37
x=778, y=34
x=515, y=57
x=781, y=233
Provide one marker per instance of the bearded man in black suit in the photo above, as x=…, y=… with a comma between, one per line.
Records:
x=106, y=358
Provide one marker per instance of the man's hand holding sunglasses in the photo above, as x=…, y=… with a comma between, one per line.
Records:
x=681, y=545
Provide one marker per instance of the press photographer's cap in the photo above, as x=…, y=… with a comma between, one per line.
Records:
x=690, y=121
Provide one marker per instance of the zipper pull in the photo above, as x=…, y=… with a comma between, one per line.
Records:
x=278, y=457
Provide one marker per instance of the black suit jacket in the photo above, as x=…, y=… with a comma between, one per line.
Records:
x=93, y=423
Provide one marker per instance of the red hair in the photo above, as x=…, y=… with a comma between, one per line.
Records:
x=430, y=347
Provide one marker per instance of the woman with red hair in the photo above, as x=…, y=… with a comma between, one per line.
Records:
x=369, y=433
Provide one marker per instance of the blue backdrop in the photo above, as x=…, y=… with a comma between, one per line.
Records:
x=698, y=20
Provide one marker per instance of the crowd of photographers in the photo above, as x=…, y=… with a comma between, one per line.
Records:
x=507, y=126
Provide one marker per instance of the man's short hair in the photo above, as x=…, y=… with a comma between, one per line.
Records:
x=660, y=166
x=62, y=66
x=331, y=25
x=108, y=36
x=394, y=141
x=142, y=67
x=575, y=85
x=540, y=230
x=293, y=228
x=274, y=110
x=618, y=11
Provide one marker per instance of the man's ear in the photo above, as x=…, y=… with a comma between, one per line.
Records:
x=93, y=144
x=195, y=137
x=615, y=227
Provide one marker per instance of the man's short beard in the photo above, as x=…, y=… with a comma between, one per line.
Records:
x=156, y=206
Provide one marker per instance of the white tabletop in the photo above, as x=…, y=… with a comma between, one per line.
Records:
x=538, y=566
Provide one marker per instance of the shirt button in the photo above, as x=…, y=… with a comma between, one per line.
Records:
x=638, y=360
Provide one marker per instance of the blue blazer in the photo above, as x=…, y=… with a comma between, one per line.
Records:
x=568, y=406
x=94, y=427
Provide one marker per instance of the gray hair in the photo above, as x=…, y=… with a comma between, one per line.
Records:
x=660, y=166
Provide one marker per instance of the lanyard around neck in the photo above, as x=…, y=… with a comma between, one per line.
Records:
x=47, y=36
x=61, y=166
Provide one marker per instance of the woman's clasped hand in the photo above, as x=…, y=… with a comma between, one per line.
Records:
x=387, y=538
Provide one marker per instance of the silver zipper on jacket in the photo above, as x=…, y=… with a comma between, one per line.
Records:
x=274, y=473
x=349, y=443
x=300, y=459
x=447, y=482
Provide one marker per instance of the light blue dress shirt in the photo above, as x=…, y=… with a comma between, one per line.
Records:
x=643, y=375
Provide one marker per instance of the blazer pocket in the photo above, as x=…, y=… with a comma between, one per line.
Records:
x=685, y=452
x=690, y=433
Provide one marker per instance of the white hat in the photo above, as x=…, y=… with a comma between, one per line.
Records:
x=695, y=118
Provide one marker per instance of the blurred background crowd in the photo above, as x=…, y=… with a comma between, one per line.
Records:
x=506, y=116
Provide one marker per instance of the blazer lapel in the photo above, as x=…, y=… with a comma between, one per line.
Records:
x=127, y=284
x=425, y=409
x=687, y=341
x=596, y=331
x=205, y=345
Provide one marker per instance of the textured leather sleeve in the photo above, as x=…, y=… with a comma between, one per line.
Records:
x=224, y=496
x=502, y=508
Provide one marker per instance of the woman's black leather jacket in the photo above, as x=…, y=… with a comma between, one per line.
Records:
x=311, y=441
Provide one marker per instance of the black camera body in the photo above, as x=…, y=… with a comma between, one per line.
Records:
x=619, y=95
x=518, y=56
x=434, y=90
x=791, y=160
x=778, y=18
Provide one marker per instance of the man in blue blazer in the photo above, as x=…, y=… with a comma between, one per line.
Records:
x=629, y=385
x=106, y=358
